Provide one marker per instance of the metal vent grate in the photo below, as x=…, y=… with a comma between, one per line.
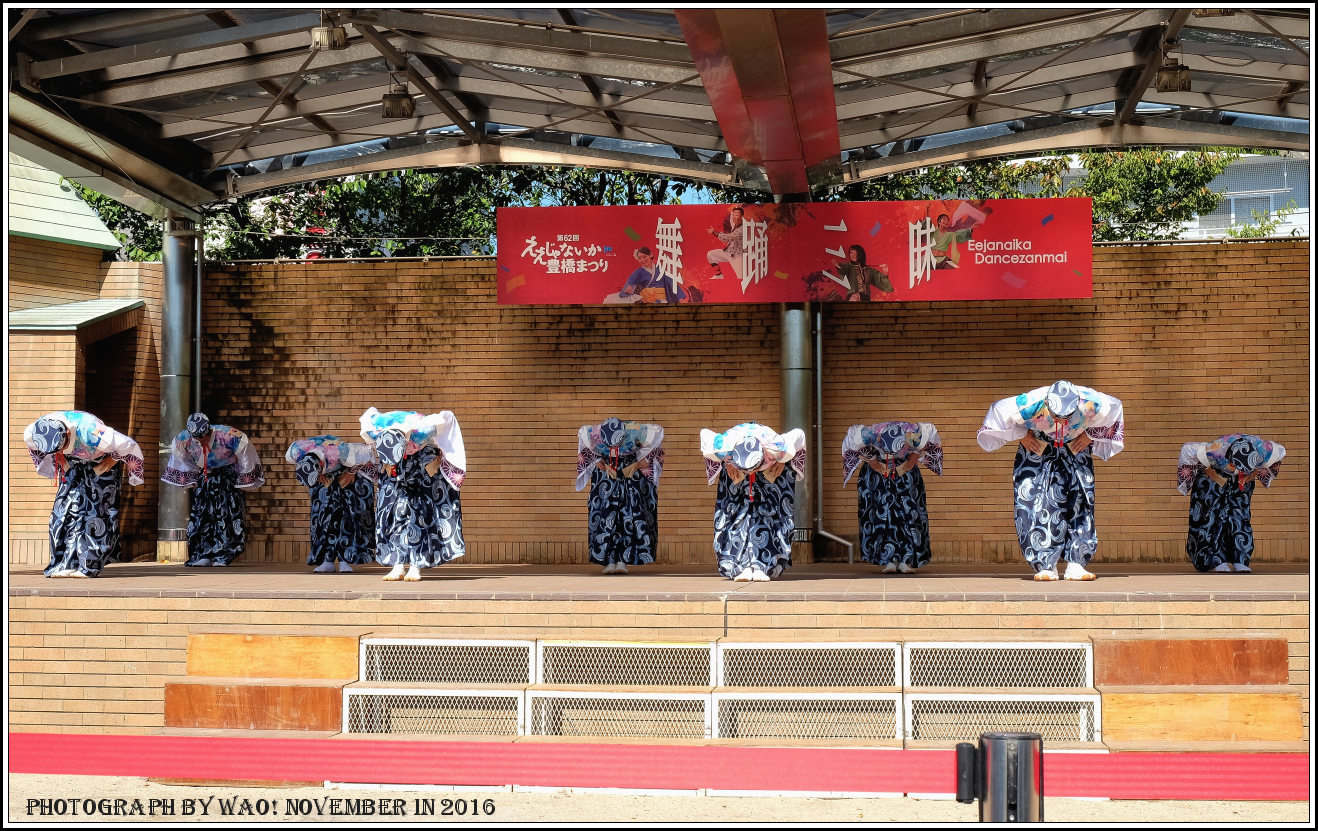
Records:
x=963, y=717
x=808, y=665
x=433, y=712
x=1064, y=665
x=635, y=715
x=874, y=717
x=447, y=662
x=627, y=664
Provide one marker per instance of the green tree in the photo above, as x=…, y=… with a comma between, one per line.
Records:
x=140, y=235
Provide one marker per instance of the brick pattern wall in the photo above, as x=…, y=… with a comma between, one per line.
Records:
x=114, y=374
x=1197, y=340
x=44, y=273
x=100, y=664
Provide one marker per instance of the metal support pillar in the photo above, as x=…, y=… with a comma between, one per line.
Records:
x=797, y=380
x=178, y=307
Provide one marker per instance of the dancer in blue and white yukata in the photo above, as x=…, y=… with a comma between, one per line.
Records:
x=1060, y=429
x=1219, y=478
x=220, y=463
x=621, y=461
x=418, y=516
x=83, y=455
x=340, y=477
x=757, y=470
x=894, y=520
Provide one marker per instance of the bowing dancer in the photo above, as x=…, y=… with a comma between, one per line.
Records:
x=1060, y=429
x=340, y=477
x=894, y=521
x=83, y=455
x=220, y=463
x=1219, y=478
x=418, y=517
x=621, y=461
x=756, y=470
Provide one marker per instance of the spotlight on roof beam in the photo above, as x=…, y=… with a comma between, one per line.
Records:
x=397, y=102
x=1173, y=76
x=327, y=36
x=1214, y=12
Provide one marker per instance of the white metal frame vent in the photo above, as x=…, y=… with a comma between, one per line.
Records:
x=625, y=664
x=842, y=664
x=874, y=716
x=452, y=712
x=609, y=714
x=447, y=662
x=963, y=716
x=994, y=665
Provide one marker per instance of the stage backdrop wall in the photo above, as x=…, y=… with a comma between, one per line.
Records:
x=1197, y=340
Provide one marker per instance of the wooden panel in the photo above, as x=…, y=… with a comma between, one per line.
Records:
x=239, y=704
x=1162, y=661
x=1236, y=716
x=272, y=656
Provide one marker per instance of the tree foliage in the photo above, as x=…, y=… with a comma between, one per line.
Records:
x=1143, y=193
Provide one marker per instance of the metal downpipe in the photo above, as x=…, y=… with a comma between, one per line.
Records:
x=818, y=502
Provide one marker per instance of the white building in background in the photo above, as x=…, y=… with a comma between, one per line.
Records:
x=1252, y=183
x=1265, y=184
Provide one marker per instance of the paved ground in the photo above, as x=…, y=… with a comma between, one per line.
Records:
x=562, y=807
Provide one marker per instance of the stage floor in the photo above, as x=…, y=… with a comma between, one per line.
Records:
x=814, y=582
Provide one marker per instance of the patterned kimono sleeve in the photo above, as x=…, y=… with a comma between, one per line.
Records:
x=1272, y=465
x=182, y=469
x=930, y=448
x=1003, y=423
x=1188, y=466
x=652, y=450
x=247, y=464
x=123, y=449
x=851, y=446
x=448, y=438
x=794, y=443
x=712, y=462
x=1107, y=429
x=586, y=457
x=44, y=462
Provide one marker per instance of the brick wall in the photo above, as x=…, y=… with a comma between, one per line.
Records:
x=44, y=273
x=114, y=374
x=1198, y=340
x=100, y=664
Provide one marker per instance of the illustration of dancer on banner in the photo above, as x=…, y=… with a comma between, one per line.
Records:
x=861, y=278
x=744, y=251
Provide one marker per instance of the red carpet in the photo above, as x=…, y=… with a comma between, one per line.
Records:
x=1268, y=776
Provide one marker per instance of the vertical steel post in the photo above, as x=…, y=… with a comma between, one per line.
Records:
x=176, y=340
x=797, y=379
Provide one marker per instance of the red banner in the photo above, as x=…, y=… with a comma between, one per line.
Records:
x=823, y=251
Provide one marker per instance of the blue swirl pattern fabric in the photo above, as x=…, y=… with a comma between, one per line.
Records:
x=1054, y=495
x=217, y=521
x=623, y=516
x=1220, y=529
x=894, y=519
x=84, y=522
x=753, y=523
x=418, y=517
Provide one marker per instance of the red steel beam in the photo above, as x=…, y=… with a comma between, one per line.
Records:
x=769, y=78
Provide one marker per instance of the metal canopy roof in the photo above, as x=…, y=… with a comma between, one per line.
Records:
x=180, y=107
